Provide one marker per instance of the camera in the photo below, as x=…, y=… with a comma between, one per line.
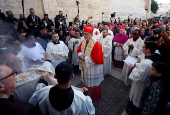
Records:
x=91, y=17
x=77, y=2
x=159, y=30
x=113, y=15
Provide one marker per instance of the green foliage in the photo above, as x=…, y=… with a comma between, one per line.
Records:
x=154, y=6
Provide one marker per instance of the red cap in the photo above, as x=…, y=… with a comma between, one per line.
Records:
x=88, y=29
x=72, y=29
x=157, y=25
x=116, y=23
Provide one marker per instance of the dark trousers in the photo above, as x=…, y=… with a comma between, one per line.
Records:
x=131, y=109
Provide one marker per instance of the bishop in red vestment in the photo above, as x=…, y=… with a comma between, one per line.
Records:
x=90, y=53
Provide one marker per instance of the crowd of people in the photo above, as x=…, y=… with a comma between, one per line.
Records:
x=55, y=49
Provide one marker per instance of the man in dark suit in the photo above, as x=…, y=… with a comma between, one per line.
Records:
x=142, y=33
x=32, y=18
x=48, y=22
x=117, y=30
x=42, y=37
x=127, y=30
x=11, y=18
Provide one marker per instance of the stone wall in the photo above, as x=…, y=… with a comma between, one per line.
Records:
x=93, y=8
x=16, y=6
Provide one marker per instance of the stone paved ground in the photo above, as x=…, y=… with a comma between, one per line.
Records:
x=114, y=94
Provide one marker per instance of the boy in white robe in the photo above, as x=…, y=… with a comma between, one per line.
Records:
x=31, y=49
x=73, y=45
x=58, y=50
x=62, y=99
x=133, y=48
x=140, y=78
x=106, y=44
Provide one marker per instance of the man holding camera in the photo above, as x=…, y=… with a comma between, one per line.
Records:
x=48, y=22
x=59, y=19
x=32, y=18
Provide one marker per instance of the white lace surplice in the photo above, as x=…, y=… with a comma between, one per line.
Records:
x=135, y=52
x=59, y=52
x=107, y=49
x=75, y=57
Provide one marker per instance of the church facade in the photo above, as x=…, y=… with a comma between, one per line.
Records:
x=94, y=8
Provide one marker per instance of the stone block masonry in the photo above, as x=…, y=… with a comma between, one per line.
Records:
x=93, y=8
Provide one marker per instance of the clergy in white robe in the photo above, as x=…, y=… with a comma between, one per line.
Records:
x=73, y=45
x=31, y=49
x=140, y=77
x=91, y=55
x=58, y=50
x=62, y=99
x=110, y=33
x=106, y=44
x=133, y=48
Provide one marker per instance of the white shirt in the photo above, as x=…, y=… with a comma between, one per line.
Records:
x=35, y=53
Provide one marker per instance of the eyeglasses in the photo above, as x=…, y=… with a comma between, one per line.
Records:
x=13, y=72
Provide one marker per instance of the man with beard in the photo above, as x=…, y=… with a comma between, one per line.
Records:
x=133, y=48
x=11, y=18
x=73, y=45
x=100, y=27
x=142, y=33
x=59, y=19
x=106, y=44
x=58, y=50
x=48, y=22
x=110, y=33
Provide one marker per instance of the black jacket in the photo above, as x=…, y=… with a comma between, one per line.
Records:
x=13, y=106
x=2, y=16
x=12, y=20
x=49, y=23
x=37, y=20
x=127, y=33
